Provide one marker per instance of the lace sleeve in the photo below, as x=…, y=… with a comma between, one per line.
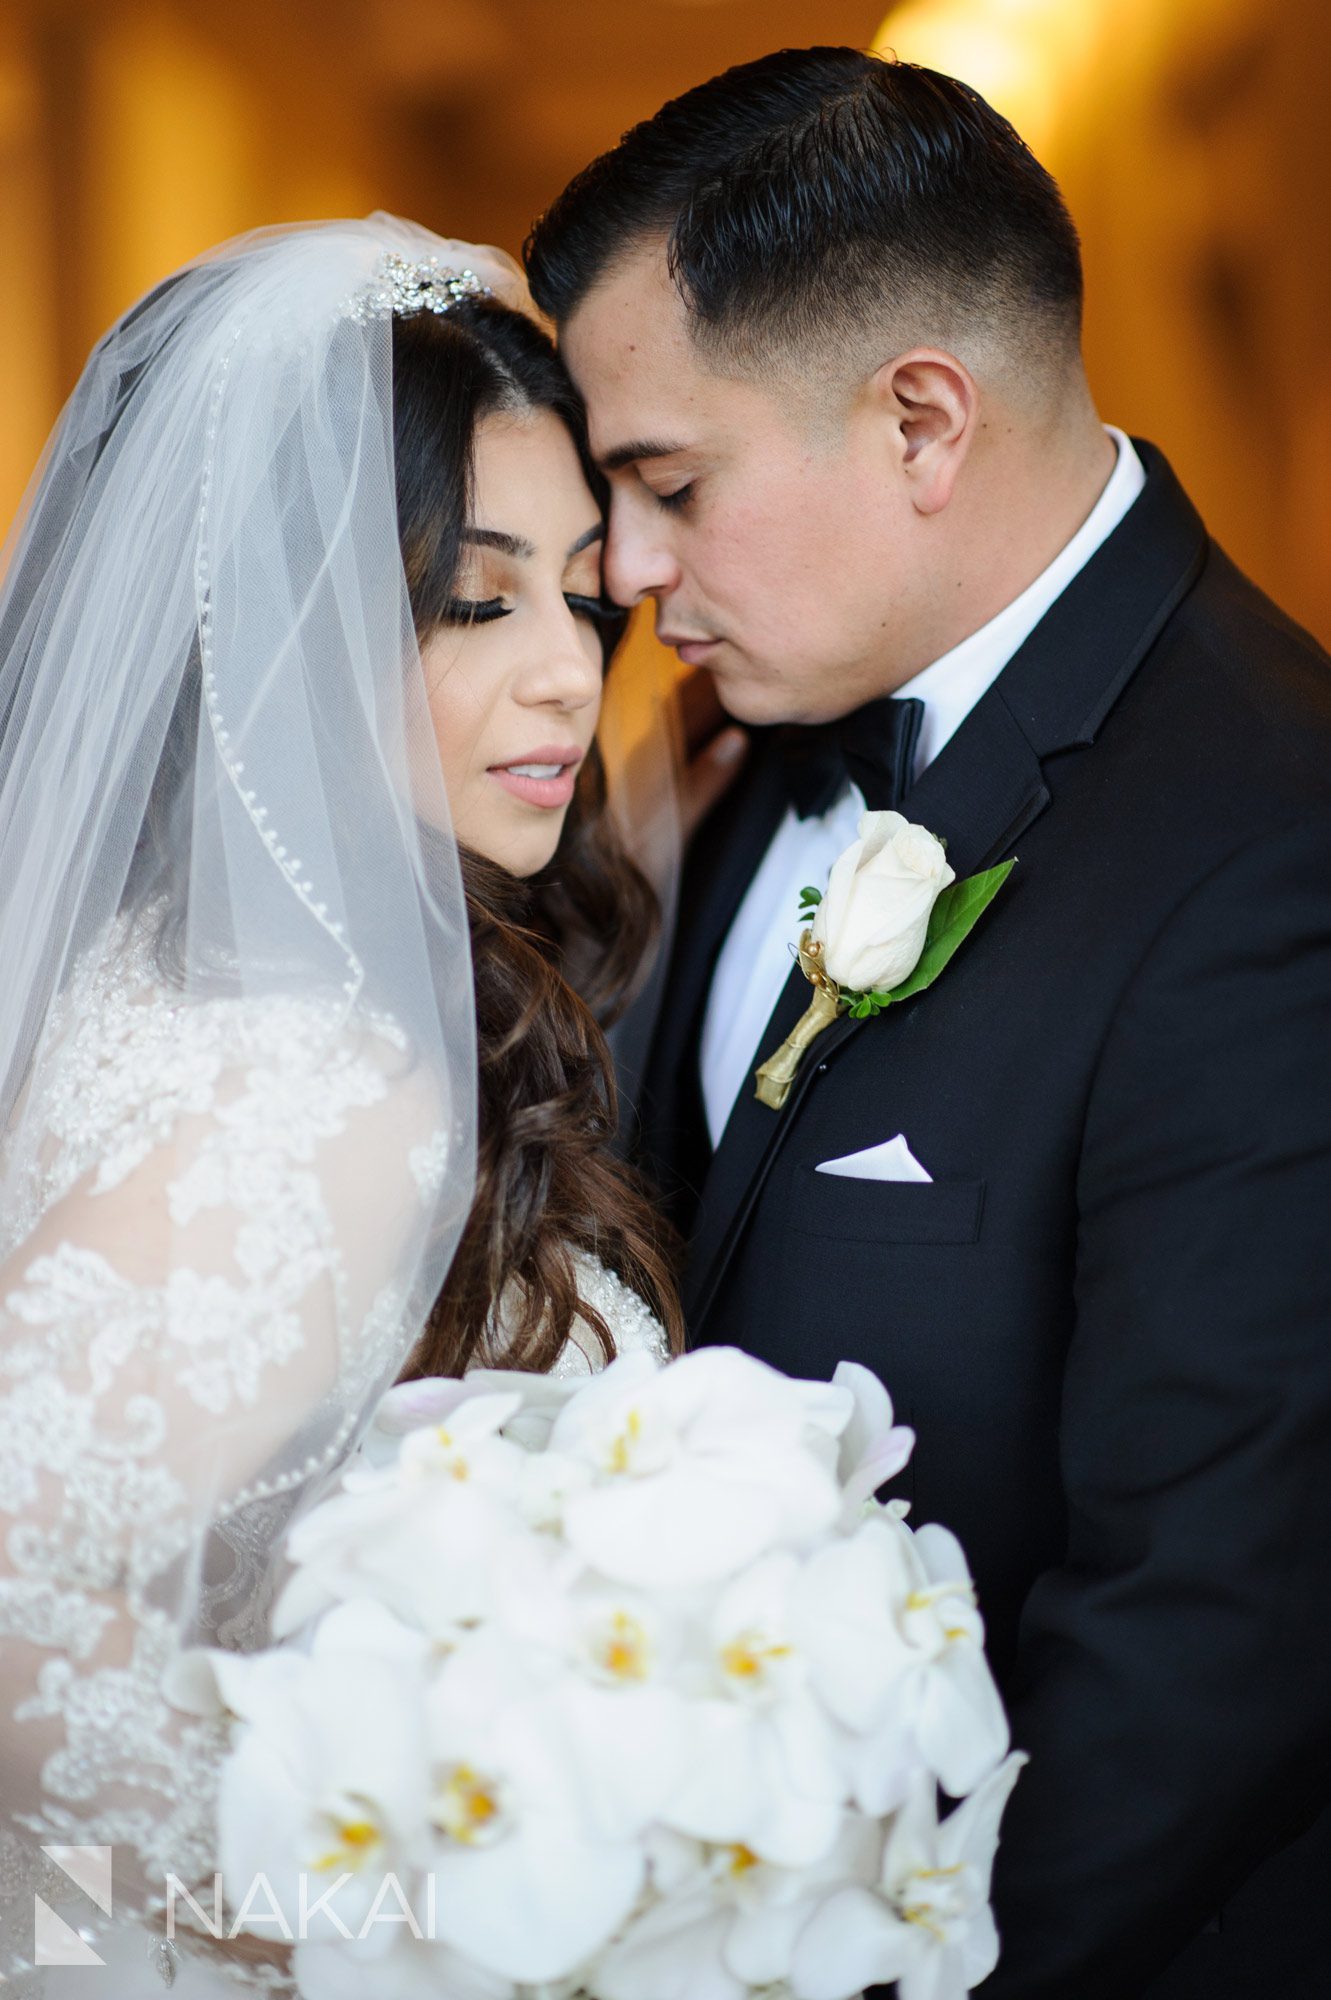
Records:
x=209, y=1298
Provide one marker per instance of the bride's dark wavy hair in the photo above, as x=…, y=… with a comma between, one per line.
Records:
x=548, y=1182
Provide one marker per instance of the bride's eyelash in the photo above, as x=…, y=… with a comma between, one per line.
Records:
x=601, y=610
x=678, y=499
x=483, y=611
x=475, y=611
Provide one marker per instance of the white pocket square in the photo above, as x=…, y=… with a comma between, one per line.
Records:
x=892, y=1161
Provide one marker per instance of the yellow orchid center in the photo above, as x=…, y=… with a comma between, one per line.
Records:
x=923, y=1915
x=925, y=1600
x=624, y=1650
x=468, y=1806
x=354, y=1840
x=748, y=1657
x=620, y=1457
x=939, y=1901
x=742, y=1858
x=458, y=1466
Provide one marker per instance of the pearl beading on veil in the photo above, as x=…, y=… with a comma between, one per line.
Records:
x=232, y=765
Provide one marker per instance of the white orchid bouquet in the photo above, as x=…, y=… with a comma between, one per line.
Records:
x=626, y=1689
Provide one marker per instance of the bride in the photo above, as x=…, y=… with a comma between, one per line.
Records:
x=302, y=639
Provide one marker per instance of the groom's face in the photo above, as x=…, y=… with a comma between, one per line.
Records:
x=766, y=517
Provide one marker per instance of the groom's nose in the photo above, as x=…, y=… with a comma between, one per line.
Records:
x=638, y=562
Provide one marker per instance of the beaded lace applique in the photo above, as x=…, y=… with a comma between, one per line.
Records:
x=109, y=1383
x=109, y=1386
x=633, y=1325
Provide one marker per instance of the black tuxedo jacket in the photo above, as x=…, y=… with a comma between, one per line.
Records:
x=1109, y=1316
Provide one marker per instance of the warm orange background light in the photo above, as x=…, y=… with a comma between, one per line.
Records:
x=1190, y=135
x=1192, y=141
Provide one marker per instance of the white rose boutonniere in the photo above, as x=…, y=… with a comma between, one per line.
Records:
x=872, y=920
x=891, y=918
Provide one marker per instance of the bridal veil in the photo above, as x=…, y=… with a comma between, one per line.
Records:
x=236, y=1023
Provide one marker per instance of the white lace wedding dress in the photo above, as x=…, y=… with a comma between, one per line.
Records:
x=192, y=1271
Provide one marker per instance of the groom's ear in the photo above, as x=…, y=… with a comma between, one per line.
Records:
x=930, y=402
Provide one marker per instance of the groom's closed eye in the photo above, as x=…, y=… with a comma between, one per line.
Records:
x=637, y=452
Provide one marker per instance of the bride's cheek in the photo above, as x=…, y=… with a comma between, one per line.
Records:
x=459, y=716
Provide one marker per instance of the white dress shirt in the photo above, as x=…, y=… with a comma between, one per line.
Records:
x=755, y=960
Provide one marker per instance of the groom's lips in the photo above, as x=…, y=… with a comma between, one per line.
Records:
x=692, y=651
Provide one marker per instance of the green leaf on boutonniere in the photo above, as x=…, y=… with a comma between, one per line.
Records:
x=809, y=901
x=955, y=915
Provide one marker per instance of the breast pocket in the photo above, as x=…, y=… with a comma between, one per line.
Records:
x=834, y=1207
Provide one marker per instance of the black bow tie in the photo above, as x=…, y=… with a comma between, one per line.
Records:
x=874, y=747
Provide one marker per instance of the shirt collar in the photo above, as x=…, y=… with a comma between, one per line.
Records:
x=951, y=685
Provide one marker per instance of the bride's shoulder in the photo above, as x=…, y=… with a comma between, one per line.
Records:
x=131, y=1059
x=633, y=1325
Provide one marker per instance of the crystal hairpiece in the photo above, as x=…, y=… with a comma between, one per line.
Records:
x=402, y=288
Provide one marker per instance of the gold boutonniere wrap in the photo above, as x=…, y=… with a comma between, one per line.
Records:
x=891, y=918
x=778, y=1072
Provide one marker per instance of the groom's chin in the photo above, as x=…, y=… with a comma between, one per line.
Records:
x=745, y=695
x=761, y=696
x=759, y=704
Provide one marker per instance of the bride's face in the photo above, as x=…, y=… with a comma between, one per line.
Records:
x=514, y=685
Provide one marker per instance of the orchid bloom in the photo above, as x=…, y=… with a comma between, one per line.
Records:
x=723, y=1922
x=873, y=1447
x=889, y=1624
x=699, y=1468
x=425, y=1534
x=542, y=1787
x=324, y=1792
x=927, y=1923
x=766, y=1772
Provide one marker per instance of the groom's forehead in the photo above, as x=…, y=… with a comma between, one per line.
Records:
x=631, y=328
x=628, y=348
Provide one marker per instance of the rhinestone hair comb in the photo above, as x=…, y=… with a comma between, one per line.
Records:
x=403, y=288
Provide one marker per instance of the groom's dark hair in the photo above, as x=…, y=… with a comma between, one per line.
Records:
x=807, y=196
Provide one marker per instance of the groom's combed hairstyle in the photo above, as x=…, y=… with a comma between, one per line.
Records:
x=816, y=193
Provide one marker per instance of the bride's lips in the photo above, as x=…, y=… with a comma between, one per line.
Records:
x=553, y=791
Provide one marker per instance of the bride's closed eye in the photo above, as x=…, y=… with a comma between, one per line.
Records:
x=484, y=610
x=676, y=501
x=601, y=610
x=475, y=610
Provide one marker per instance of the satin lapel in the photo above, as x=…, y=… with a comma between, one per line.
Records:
x=722, y=861
x=980, y=794
x=752, y=1131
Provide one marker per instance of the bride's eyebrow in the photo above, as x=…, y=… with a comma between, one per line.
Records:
x=596, y=533
x=495, y=538
x=637, y=448
x=520, y=548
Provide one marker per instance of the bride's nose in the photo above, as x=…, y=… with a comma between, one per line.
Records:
x=563, y=669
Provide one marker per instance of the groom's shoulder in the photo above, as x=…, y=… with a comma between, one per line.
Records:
x=1241, y=693
x=1240, y=625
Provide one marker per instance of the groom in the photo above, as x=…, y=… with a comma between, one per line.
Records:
x=825, y=311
